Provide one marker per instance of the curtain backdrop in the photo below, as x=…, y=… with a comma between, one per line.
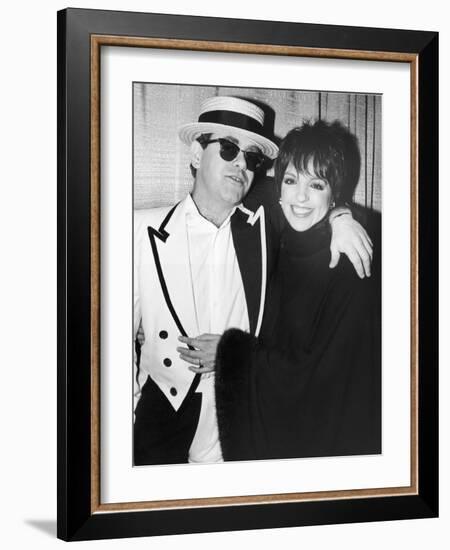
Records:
x=161, y=161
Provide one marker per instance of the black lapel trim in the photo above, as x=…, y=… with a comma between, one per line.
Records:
x=162, y=235
x=247, y=243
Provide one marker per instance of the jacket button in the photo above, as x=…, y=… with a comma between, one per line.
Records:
x=163, y=334
x=173, y=391
x=167, y=362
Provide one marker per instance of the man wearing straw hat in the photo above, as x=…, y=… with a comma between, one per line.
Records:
x=201, y=267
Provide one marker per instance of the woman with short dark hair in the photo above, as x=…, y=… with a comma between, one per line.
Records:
x=310, y=385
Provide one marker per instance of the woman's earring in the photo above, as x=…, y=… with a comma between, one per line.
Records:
x=332, y=205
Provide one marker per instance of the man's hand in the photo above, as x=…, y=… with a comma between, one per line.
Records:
x=204, y=354
x=350, y=237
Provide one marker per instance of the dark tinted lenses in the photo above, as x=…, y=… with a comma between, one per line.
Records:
x=229, y=151
x=254, y=160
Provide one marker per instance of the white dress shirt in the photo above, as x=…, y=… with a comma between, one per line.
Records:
x=219, y=304
x=217, y=283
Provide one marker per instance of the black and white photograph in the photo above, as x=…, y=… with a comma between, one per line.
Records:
x=257, y=274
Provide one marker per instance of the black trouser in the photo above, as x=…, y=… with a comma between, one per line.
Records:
x=163, y=435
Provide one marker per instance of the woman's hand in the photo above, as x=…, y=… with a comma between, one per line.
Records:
x=204, y=354
x=350, y=237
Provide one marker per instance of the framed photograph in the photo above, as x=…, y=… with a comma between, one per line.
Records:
x=247, y=274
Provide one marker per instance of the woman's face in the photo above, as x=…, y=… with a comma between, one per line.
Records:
x=305, y=198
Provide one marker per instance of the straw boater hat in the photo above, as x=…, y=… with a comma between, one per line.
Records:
x=221, y=113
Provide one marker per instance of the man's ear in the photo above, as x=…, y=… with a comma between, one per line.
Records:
x=196, y=154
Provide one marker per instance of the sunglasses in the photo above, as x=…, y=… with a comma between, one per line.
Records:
x=229, y=151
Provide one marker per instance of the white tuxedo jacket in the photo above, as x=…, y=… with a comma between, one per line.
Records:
x=163, y=296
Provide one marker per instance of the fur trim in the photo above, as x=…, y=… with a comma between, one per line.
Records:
x=233, y=364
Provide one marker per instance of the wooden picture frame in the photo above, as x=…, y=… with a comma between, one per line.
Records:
x=81, y=36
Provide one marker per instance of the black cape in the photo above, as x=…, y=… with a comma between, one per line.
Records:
x=311, y=384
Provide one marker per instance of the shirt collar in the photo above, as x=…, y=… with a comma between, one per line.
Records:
x=194, y=217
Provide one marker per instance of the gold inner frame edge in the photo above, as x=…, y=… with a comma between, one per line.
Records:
x=97, y=41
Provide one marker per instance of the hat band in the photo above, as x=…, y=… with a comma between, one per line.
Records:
x=230, y=118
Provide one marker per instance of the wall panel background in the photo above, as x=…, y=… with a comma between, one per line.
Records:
x=161, y=160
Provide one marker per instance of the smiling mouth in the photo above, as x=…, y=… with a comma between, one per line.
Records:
x=300, y=211
x=237, y=179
